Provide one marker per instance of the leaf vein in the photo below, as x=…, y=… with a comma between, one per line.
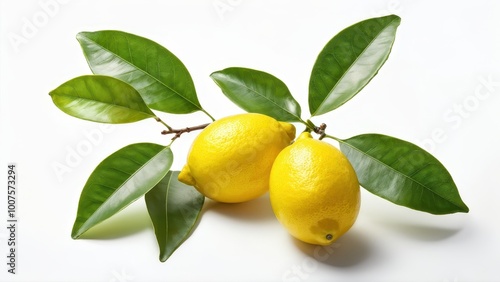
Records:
x=401, y=174
x=147, y=74
x=120, y=186
x=354, y=62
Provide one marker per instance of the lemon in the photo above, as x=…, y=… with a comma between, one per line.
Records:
x=230, y=160
x=314, y=191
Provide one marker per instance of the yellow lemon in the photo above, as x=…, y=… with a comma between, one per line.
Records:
x=231, y=159
x=314, y=191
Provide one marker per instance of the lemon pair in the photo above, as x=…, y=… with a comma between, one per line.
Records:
x=313, y=188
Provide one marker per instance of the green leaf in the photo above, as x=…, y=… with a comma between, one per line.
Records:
x=174, y=209
x=101, y=99
x=402, y=173
x=349, y=61
x=118, y=181
x=258, y=92
x=160, y=77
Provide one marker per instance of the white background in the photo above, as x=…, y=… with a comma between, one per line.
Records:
x=440, y=88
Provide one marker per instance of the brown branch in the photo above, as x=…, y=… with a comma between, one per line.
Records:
x=320, y=130
x=179, y=132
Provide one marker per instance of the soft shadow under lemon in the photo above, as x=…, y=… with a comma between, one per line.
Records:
x=255, y=210
x=349, y=250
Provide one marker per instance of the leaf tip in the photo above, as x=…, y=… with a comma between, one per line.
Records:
x=164, y=257
x=78, y=229
x=394, y=18
x=81, y=34
x=75, y=235
x=397, y=19
x=462, y=207
x=465, y=209
x=215, y=75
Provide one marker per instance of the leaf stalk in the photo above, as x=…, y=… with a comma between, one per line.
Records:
x=162, y=122
x=210, y=116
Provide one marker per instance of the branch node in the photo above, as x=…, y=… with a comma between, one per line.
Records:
x=320, y=130
x=179, y=132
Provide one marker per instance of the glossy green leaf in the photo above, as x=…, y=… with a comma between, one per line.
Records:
x=160, y=77
x=258, y=92
x=349, y=61
x=402, y=173
x=101, y=99
x=118, y=181
x=174, y=208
